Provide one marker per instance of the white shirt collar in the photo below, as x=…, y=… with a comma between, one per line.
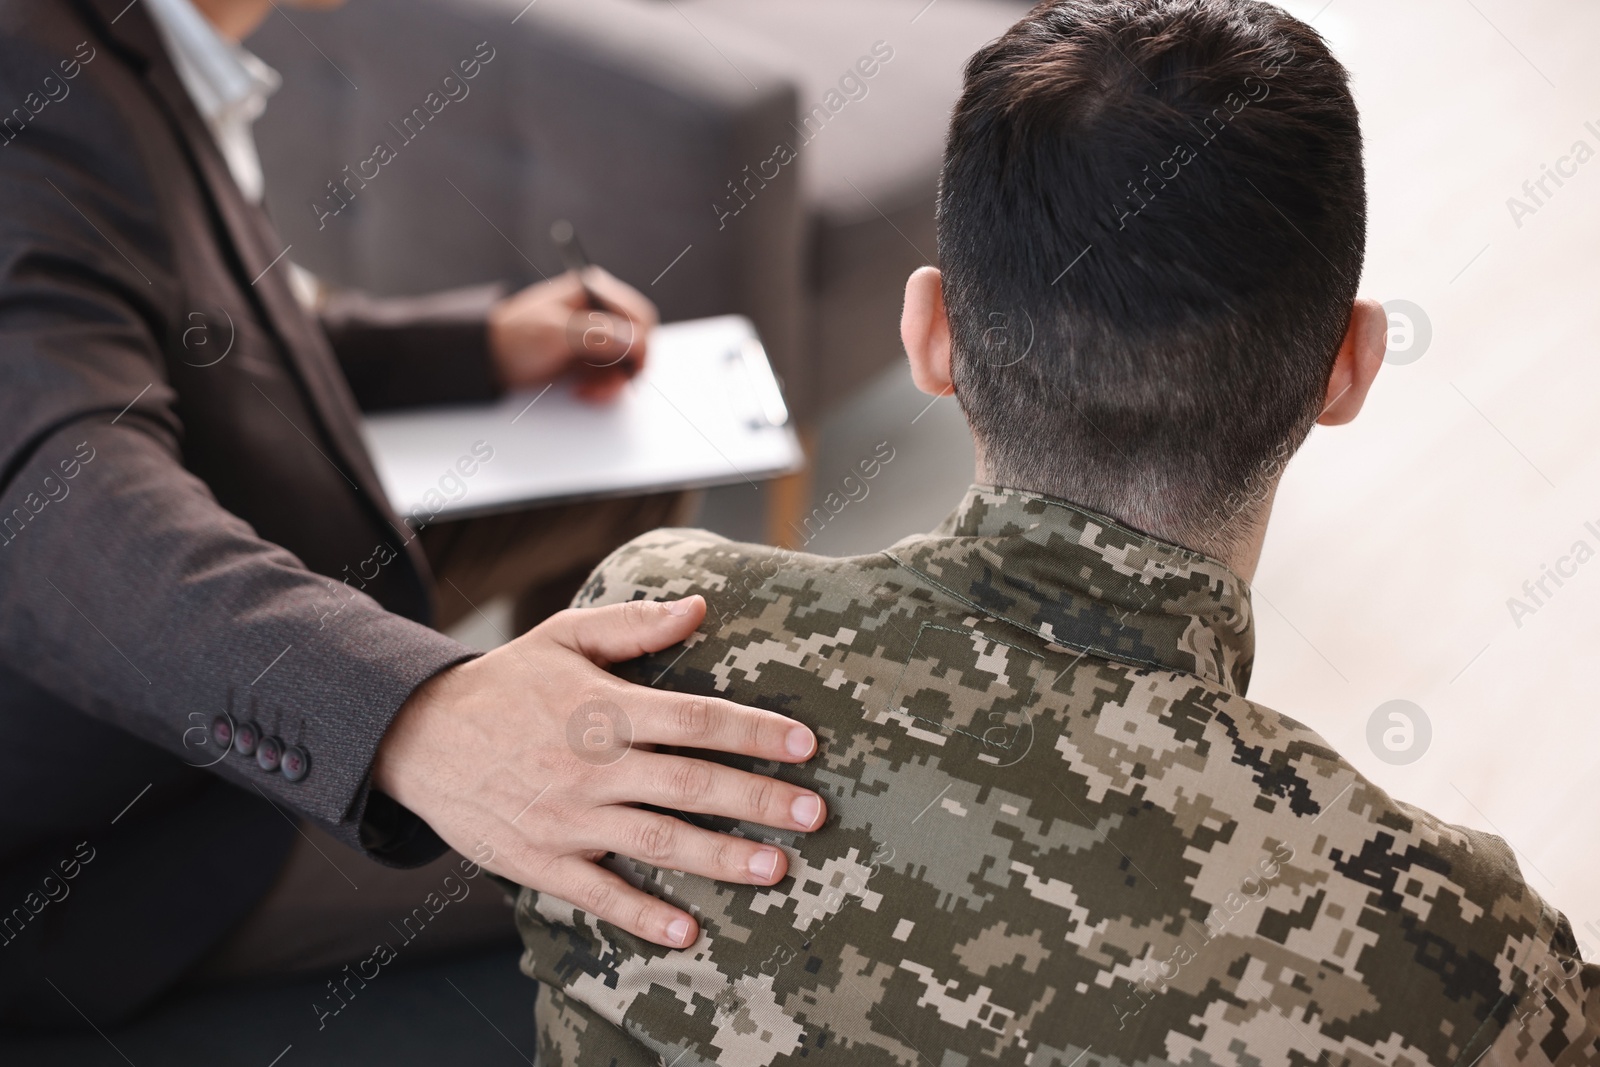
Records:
x=229, y=86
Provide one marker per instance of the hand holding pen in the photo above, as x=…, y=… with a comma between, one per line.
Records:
x=607, y=336
x=585, y=322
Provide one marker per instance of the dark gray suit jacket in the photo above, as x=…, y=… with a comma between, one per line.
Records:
x=189, y=527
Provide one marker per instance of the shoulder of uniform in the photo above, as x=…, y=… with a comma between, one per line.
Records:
x=1349, y=824
x=660, y=559
x=677, y=562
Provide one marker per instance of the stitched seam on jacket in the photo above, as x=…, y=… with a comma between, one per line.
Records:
x=1090, y=650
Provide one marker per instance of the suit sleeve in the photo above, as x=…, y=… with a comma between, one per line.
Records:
x=405, y=351
x=126, y=590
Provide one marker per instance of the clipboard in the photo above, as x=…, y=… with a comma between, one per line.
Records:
x=706, y=410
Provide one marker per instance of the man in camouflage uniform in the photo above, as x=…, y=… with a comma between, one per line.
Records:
x=1058, y=832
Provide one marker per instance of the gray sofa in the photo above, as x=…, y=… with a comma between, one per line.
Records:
x=655, y=127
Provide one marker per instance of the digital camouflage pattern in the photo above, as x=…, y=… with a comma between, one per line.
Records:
x=1058, y=833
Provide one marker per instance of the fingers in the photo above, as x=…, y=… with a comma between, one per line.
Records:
x=678, y=845
x=686, y=784
x=684, y=720
x=602, y=339
x=620, y=632
x=622, y=298
x=626, y=631
x=606, y=896
x=600, y=387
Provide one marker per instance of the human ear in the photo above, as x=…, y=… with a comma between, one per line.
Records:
x=925, y=332
x=1361, y=353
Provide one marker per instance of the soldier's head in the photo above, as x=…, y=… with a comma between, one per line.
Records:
x=1151, y=225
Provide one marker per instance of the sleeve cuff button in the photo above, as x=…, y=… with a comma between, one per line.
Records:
x=296, y=763
x=269, y=753
x=222, y=732
x=246, y=738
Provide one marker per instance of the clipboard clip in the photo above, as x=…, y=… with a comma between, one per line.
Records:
x=751, y=359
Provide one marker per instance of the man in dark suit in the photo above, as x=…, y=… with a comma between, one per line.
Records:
x=215, y=640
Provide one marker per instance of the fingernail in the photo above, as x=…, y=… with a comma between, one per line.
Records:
x=678, y=931
x=805, y=810
x=799, y=742
x=764, y=864
x=678, y=607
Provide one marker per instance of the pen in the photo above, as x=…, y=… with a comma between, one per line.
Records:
x=566, y=241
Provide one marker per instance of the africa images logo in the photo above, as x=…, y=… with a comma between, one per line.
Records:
x=1399, y=732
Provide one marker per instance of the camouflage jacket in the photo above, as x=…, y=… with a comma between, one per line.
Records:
x=1058, y=833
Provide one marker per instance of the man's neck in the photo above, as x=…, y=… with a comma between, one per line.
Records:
x=1245, y=556
x=234, y=19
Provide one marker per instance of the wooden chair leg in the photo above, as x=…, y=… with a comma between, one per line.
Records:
x=789, y=498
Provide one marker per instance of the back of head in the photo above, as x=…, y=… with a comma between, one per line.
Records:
x=1151, y=226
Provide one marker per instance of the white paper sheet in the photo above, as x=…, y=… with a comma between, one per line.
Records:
x=705, y=411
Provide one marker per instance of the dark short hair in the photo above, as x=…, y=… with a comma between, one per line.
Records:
x=1152, y=220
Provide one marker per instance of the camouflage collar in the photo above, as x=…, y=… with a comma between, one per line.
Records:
x=1084, y=582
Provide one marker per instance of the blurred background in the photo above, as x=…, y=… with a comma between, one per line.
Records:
x=1398, y=602
x=1398, y=543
